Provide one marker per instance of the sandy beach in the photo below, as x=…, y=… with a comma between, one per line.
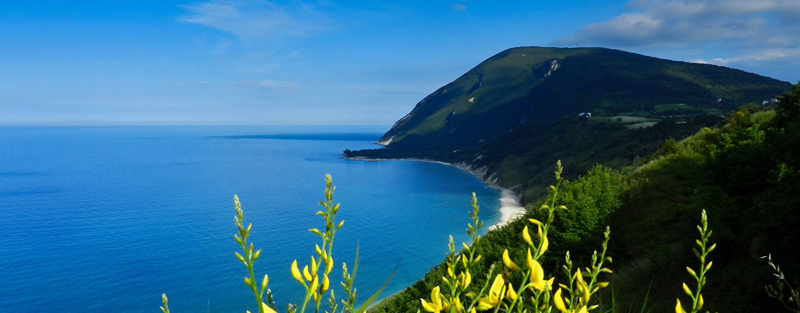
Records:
x=510, y=209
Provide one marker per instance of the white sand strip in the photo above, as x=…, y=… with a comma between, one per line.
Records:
x=510, y=209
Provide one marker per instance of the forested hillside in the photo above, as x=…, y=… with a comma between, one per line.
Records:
x=512, y=116
x=539, y=86
x=745, y=173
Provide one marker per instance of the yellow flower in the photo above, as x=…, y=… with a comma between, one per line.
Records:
x=306, y=274
x=545, y=244
x=530, y=259
x=539, y=231
x=679, y=308
x=495, y=295
x=266, y=308
x=328, y=264
x=435, y=305
x=325, y=283
x=687, y=290
x=296, y=273
x=314, y=283
x=559, y=302
x=579, y=277
x=526, y=235
x=313, y=266
x=507, y=261
x=586, y=294
x=457, y=305
x=511, y=294
x=537, y=277
x=466, y=279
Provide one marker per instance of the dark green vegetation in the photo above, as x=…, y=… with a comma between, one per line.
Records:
x=538, y=86
x=665, y=153
x=745, y=173
x=523, y=159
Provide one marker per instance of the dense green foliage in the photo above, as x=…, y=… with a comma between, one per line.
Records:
x=592, y=198
x=522, y=159
x=745, y=173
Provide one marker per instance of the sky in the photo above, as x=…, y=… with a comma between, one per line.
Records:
x=256, y=62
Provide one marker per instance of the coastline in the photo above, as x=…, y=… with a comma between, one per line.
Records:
x=510, y=207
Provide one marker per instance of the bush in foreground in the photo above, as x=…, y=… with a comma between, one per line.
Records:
x=508, y=287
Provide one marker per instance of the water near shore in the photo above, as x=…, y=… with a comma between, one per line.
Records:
x=106, y=219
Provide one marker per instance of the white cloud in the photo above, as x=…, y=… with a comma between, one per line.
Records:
x=766, y=55
x=744, y=23
x=460, y=7
x=256, y=19
x=273, y=84
x=723, y=32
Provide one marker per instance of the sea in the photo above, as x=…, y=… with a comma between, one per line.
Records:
x=106, y=219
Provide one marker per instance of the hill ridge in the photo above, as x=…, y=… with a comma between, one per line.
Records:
x=538, y=85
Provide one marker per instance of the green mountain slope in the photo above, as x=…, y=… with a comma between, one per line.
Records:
x=538, y=86
x=745, y=173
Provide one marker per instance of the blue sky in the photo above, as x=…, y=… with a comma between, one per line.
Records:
x=252, y=62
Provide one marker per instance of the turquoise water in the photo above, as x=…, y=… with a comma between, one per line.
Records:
x=105, y=219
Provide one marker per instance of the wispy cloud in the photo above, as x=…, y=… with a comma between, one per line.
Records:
x=390, y=88
x=257, y=19
x=682, y=22
x=766, y=55
x=752, y=30
x=460, y=7
x=269, y=84
x=222, y=47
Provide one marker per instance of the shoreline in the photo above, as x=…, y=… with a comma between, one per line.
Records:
x=510, y=207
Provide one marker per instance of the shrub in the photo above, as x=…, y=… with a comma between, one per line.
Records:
x=510, y=285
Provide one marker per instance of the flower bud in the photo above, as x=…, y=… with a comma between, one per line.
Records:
x=510, y=293
x=325, y=283
x=307, y=274
x=687, y=290
x=507, y=261
x=296, y=273
x=527, y=236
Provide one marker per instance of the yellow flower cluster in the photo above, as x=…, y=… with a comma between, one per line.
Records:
x=458, y=294
x=534, y=292
x=702, y=254
x=315, y=286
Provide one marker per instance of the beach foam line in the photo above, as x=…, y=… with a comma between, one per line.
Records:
x=510, y=209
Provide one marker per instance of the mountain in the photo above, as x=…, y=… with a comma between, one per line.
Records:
x=743, y=174
x=538, y=86
x=511, y=117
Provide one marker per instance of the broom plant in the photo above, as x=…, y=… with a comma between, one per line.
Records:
x=502, y=291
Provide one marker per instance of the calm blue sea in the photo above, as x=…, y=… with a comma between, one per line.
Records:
x=106, y=219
